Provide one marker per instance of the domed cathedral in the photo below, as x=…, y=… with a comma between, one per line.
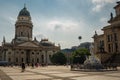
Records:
x=107, y=45
x=23, y=48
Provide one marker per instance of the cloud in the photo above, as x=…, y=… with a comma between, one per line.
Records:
x=58, y=26
x=40, y=36
x=63, y=31
x=99, y=31
x=99, y=4
x=64, y=25
x=102, y=1
x=12, y=20
x=66, y=43
x=97, y=8
x=103, y=20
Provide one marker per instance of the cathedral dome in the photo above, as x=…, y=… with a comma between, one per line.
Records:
x=45, y=42
x=24, y=12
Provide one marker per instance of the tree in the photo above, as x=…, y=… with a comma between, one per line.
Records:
x=58, y=58
x=79, y=55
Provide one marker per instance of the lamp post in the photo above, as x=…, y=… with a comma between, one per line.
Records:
x=79, y=37
x=46, y=58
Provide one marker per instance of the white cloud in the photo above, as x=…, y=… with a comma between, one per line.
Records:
x=12, y=20
x=64, y=25
x=102, y=1
x=68, y=44
x=99, y=4
x=97, y=8
x=63, y=31
x=103, y=20
x=40, y=36
x=99, y=31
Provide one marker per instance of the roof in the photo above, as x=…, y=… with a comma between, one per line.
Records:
x=24, y=12
x=118, y=4
x=45, y=42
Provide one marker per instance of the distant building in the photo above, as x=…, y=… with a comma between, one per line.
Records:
x=23, y=48
x=107, y=45
x=68, y=54
x=85, y=45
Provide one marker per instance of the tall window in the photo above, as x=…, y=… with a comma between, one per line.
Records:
x=101, y=46
x=111, y=37
x=16, y=59
x=21, y=33
x=42, y=58
x=22, y=59
x=22, y=52
x=109, y=48
x=37, y=59
x=108, y=38
x=115, y=36
x=116, y=47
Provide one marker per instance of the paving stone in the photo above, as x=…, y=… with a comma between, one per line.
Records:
x=55, y=73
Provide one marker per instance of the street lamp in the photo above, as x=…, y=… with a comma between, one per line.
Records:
x=79, y=37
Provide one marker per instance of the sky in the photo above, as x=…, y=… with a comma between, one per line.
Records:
x=61, y=21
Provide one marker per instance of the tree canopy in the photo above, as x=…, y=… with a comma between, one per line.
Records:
x=58, y=58
x=79, y=55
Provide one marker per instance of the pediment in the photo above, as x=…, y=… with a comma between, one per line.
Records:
x=28, y=44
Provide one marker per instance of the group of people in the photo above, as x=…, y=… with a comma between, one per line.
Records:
x=23, y=66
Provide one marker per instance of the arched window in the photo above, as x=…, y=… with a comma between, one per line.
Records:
x=32, y=52
x=21, y=33
x=50, y=56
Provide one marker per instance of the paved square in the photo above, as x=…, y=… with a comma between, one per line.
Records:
x=55, y=73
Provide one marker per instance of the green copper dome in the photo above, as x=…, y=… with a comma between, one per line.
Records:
x=24, y=12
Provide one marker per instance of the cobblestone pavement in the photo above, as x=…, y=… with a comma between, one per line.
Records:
x=55, y=73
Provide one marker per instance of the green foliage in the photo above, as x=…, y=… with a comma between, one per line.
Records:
x=58, y=58
x=79, y=55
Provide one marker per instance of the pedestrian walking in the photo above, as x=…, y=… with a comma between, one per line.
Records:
x=23, y=67
x=32, y=65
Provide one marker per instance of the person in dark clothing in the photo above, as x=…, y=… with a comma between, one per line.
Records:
x=32, y=65
x=23, y=67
